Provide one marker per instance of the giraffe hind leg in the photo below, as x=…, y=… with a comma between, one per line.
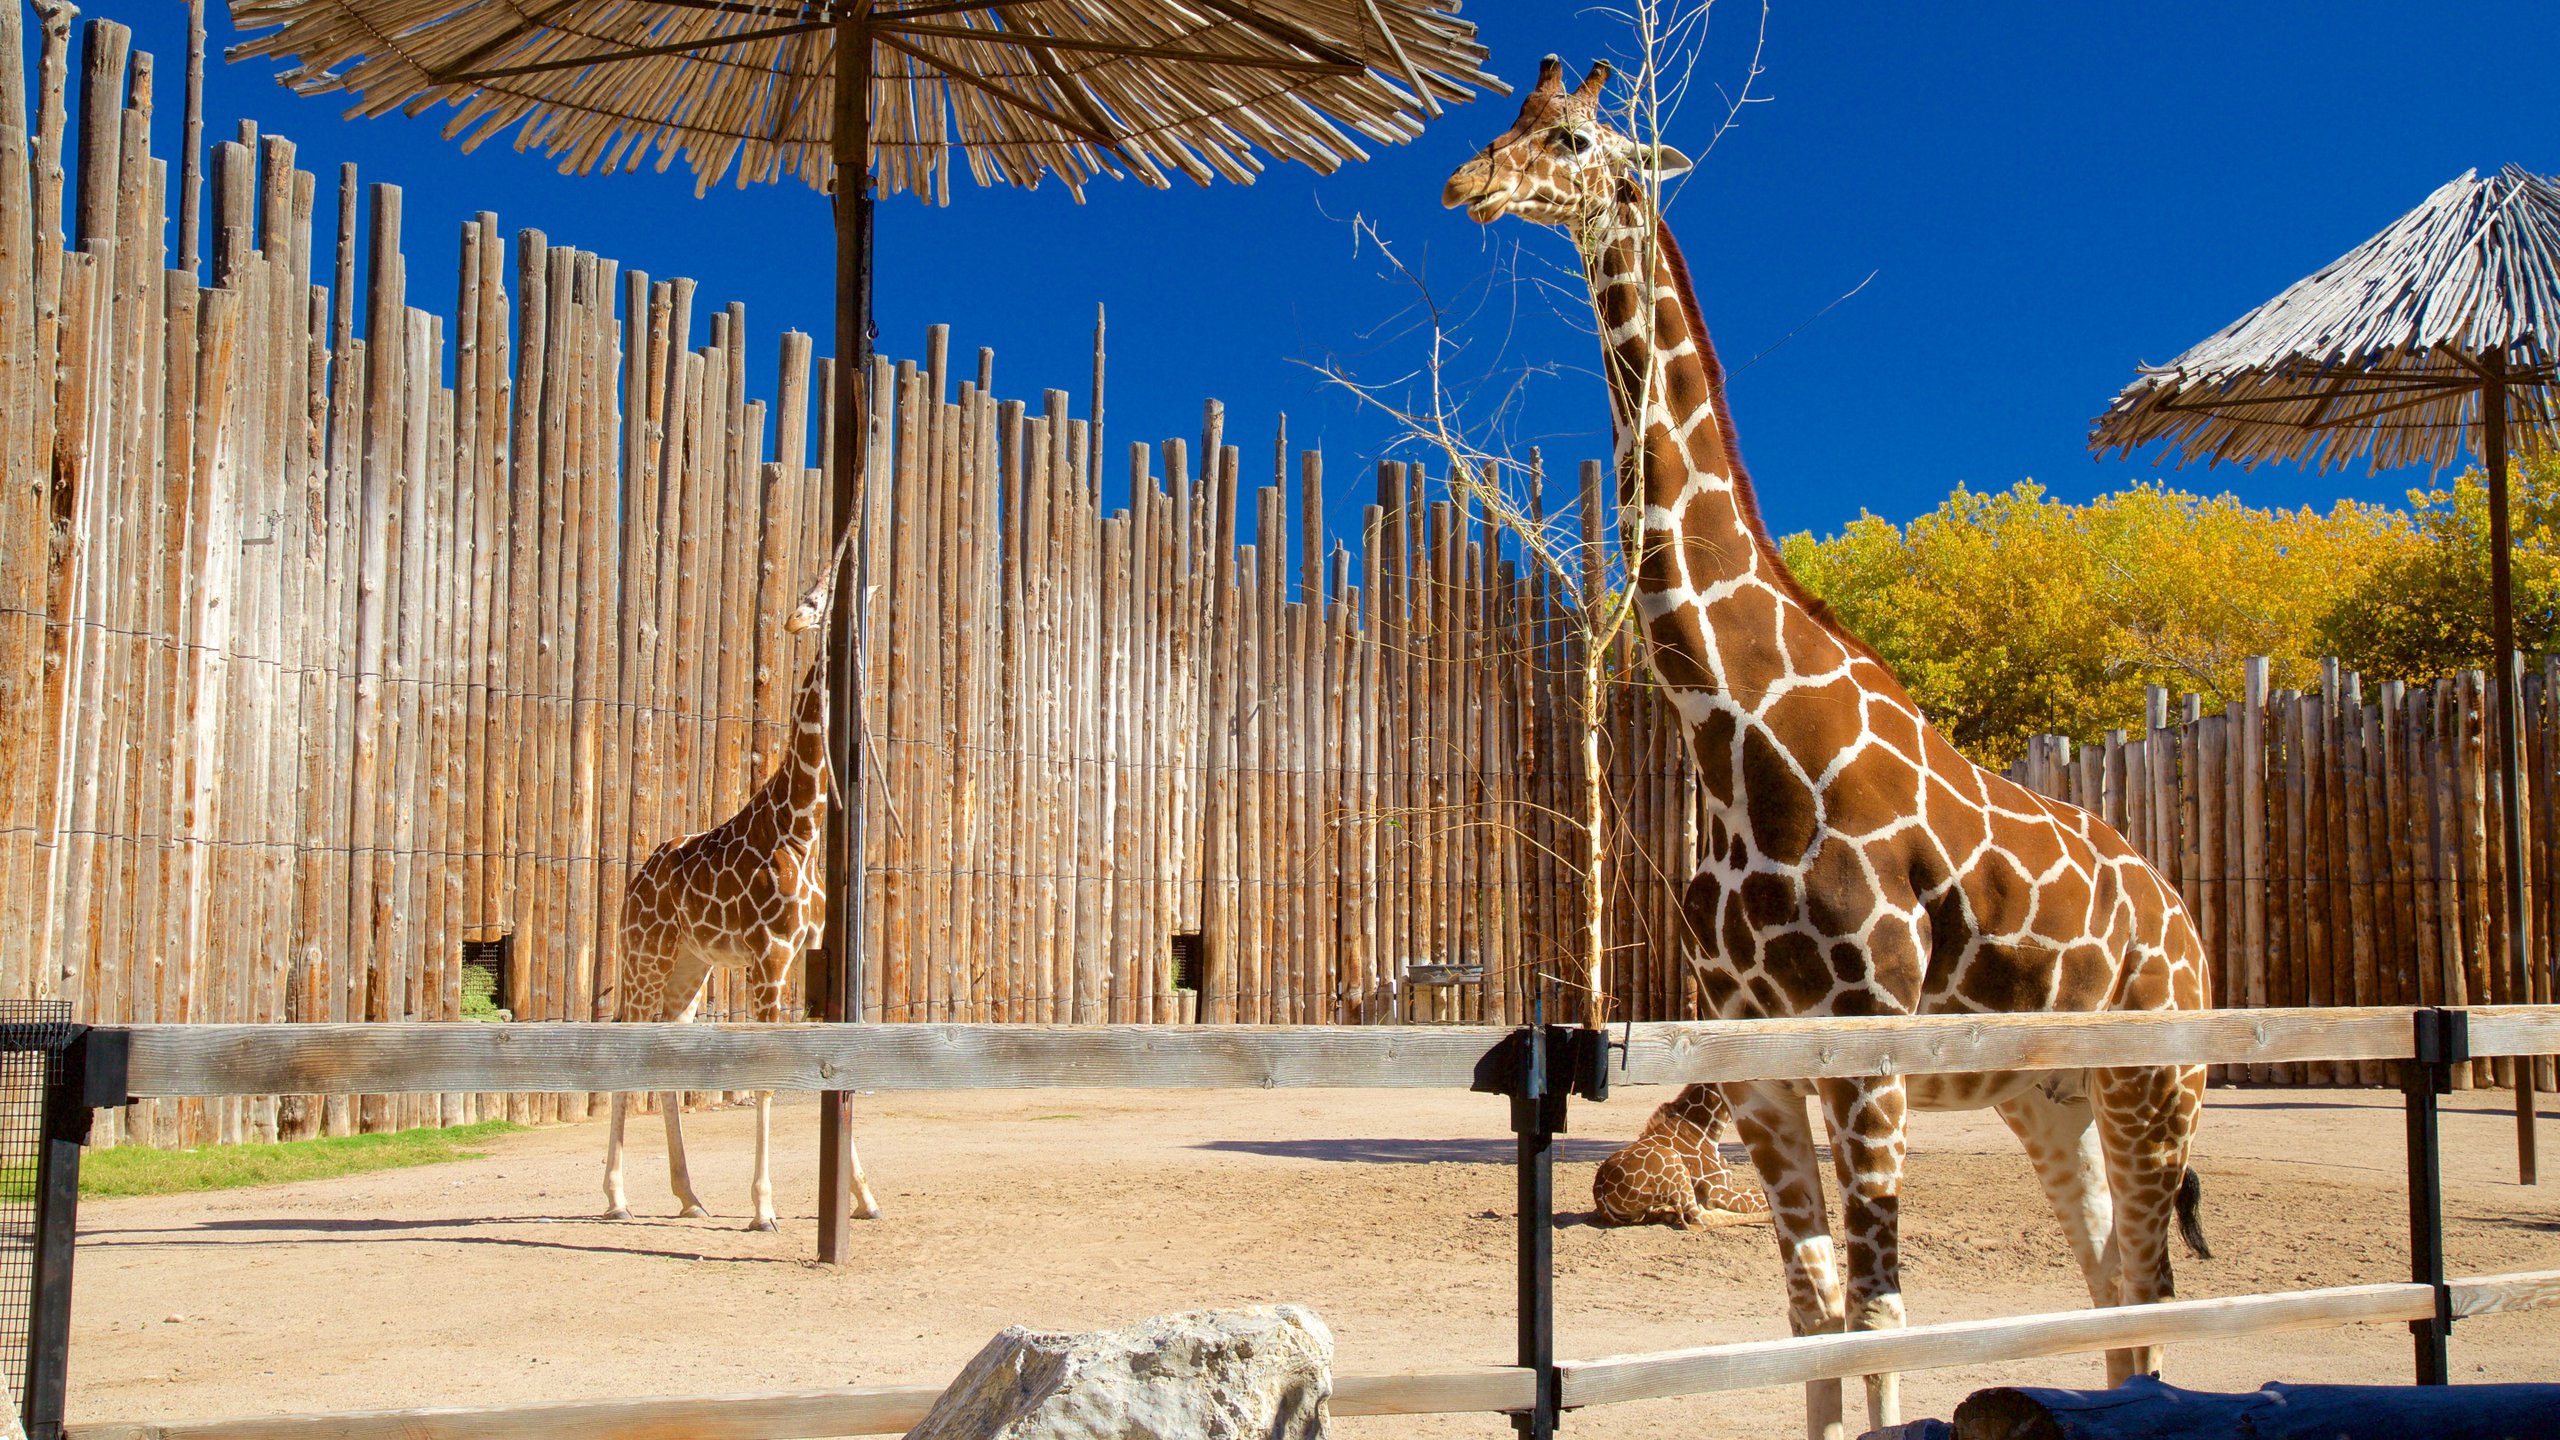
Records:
x=679, y=1174
x=2146, y=1118
x=2061, y=1140
x=773, y=970
x=643, y=978
x=1723, y=1204
x=866, y=1206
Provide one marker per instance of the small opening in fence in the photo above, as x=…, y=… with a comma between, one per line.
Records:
x=1186, y=960
x=487, y=966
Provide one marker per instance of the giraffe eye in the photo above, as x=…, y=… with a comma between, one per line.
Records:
x=1576, y=141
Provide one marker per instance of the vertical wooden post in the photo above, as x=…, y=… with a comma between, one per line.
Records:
x=2475, y=901
x=840, y=982
x=1217, y=1003
x=191, y=162
x=2493, y=418
x=2253, y=835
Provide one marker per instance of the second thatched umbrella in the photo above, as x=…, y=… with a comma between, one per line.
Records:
x=2438, y=336
x=891, y=93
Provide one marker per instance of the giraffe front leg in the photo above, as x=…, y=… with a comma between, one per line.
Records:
x=616, y=1206
x=1868, y=1144
x=1771, y=1120
x=763, y=1189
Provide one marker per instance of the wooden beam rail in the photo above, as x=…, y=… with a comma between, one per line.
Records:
x=183, y=1060
x=2514, y=1029
x=1753, y=1364
x=178, y=1060
x=2516, y=1290
x=764, y=1415
x=888, y=1410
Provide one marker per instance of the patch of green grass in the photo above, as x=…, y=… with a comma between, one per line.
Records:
x=137, y=1170
x=480, y=995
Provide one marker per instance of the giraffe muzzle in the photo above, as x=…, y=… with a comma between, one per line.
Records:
x=1473, y=186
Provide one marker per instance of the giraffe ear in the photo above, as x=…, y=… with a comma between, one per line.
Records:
x=1659, y=161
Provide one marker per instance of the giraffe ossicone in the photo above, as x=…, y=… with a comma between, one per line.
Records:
x=1673, y=1172
x=1854, y=862
x=749, y=893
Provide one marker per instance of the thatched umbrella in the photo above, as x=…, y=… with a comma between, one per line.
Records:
x=2437, y=336
x=891, y=91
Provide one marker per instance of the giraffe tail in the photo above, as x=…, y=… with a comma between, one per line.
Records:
x=2190, y=1220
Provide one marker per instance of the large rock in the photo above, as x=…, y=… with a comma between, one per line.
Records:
x=1260, y=1373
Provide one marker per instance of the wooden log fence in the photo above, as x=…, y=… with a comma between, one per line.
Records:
x=231, y=1060
x=2337, y=848
x=348, y=638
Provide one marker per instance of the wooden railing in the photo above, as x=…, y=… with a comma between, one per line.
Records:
x=212, y=1060
x=385, y=1059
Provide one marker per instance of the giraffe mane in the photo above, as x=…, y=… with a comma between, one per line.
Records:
x=1743, y=486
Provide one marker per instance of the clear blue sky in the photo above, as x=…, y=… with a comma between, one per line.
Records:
x=2044, y=194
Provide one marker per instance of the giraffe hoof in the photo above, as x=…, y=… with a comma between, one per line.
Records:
x=693, y=1212
x=618, y=1212
x=763, y=1225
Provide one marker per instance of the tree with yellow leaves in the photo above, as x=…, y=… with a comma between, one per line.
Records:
x=2424, y=611
x=2011, y=615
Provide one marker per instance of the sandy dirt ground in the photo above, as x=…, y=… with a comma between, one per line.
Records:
x=486, y=1282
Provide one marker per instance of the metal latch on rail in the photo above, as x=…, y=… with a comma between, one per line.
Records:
x=1572, y=1060
x=95, y=1068
x=2440, y=1040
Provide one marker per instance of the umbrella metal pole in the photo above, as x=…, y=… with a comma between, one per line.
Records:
x=848, y=656
x=2493, y=427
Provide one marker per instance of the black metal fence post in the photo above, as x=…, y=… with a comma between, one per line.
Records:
x=88, y=1074
x=1540, y=1069
x=2441, y=1039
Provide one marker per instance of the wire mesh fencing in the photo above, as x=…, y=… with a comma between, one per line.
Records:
x=34, y=1036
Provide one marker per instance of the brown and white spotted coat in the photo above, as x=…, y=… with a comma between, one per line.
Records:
x=1856, y=863
x=748, y=893
x=1673, y=1172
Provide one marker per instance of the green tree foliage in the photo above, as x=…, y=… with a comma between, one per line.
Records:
x=2424, y=611
x=2011, y=615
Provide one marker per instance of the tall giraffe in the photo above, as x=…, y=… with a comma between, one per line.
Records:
x=748, y=892
x=1856, y=864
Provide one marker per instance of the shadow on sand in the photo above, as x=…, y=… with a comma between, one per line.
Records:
x=329, y=1230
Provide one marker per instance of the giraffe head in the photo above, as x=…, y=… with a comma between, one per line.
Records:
x=813, y=606
x=1559, y=163
x=821, y=594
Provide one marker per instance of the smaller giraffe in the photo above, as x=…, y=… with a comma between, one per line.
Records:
x=750, y=893
x=1673, y=1171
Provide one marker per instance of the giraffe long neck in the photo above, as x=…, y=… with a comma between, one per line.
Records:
x=1721, y=608
x=805, y=762
x=1690, y=1139
x=792, y=805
